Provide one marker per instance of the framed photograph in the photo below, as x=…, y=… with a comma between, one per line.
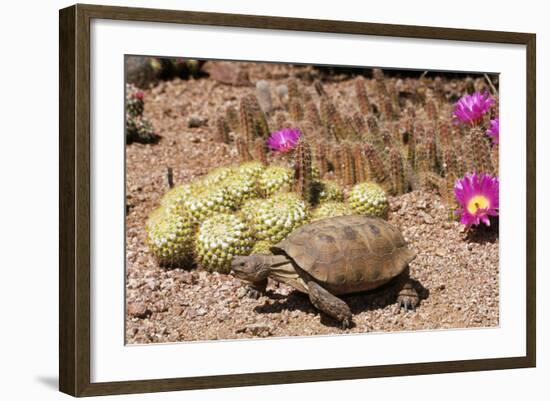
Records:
x=249, y=200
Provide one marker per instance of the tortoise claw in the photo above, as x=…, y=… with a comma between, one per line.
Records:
x=253, y=293
x=407, y=302
x=346, y=324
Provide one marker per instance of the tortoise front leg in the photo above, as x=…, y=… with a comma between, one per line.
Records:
x=329, y=304
x=255, y=290
x=407, y=298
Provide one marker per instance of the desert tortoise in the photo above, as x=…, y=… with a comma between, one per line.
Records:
x=334, y=256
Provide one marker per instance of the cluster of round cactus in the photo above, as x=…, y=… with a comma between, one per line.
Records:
x=170, y=236
x=262, y=247
x=245, y=209
x=217, y=176
x=205, y=201
x=220, y=238
x=275, y=179
x=331, y=209
x=138, y=127
x=328, y=191
x=251, y=169
x=277, y=216
x=369, y=199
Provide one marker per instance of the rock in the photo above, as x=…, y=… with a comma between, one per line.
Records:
x=426, y=217
x=139, y=310
x=241, y=292
x=133, y=283
x=421, y=205
x=257, y=329
x=151, y=283
x=177, y=310
x=196, y=121
x=227, y=73
x=201, y=312
x=188, y=278
x=263, y=93
x=282, y=93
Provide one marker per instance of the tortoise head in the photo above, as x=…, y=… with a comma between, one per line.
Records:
x=253, y=268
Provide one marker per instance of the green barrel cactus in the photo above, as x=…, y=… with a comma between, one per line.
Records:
x=249, y=208
x=218, y=176
x=262, y=247
x=219, y=239
x=170, y=236
x=174, y=198
x=241, y=188
x=252, y=169
x=369, y=199
x=205, y=201
x=331, y=209
x=274, y=218
x=276, y=179
x=328, y=191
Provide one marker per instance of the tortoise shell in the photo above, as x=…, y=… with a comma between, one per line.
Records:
x=348, y=253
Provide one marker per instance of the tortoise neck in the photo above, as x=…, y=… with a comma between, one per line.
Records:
x=278, y=260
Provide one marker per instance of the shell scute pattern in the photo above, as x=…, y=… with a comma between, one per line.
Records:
x=348, y=250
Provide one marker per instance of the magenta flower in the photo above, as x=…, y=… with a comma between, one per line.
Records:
x=139, y=94
x=494, y=130
x=284, y=140
x=470, y=108
x=477, y=195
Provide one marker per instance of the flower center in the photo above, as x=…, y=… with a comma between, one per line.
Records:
x=477, y=202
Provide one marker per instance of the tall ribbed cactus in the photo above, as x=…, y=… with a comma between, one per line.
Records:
x=253, y=123
x=362, y=98
x=336, y=161
x=360, y=125
x=480, y=151
x=321, y=157
x=312, y=115
x=260, y=151
x=303, y=173
x=397, y=172
x=319, y=89
x=376, y=166
x=293, y=90
x=332, y=120
x=348, y=166
x=295, y=109
x=232, y=118
x=360, y=164
x=222, y=130
x=494, y=159
x=242, y=149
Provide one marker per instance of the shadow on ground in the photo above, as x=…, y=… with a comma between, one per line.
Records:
x=361, y=302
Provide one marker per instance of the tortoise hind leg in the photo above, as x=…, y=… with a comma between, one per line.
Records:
x=408, y=297
x=329, y=304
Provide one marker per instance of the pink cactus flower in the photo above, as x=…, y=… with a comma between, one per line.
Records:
x=469, y=109
x=494, y=130
x=284, y=140
x=477, y=195
x=139, y=94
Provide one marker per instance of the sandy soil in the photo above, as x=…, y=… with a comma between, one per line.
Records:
x=457, y=272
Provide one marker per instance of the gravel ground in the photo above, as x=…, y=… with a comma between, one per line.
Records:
x=456, y=271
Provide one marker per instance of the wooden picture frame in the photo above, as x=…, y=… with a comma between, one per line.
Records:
x=74, y=202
